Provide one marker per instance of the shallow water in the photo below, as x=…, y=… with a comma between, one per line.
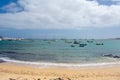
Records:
x=59, y=51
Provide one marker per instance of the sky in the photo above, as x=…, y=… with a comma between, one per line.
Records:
x=60, y=19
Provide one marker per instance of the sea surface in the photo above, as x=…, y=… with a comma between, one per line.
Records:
x=60, y=52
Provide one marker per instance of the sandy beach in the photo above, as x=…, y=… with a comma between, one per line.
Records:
x=10, y=71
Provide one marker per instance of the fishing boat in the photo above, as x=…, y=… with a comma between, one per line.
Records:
x=99, y=44
x=89, y=41
x=82, y=45
x=72, y=45
x=76, y=42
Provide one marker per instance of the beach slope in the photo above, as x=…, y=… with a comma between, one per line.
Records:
x=21, y=72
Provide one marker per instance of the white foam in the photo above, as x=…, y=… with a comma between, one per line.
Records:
x=48, y=64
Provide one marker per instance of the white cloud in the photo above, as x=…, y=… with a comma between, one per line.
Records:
x=61, y=14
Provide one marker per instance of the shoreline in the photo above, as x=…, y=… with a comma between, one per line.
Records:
x=64, y=65
x=27, y=72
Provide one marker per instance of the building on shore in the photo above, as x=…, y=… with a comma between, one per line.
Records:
x=10, y=39
x=13, y=39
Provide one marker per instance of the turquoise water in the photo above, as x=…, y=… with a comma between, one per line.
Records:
x=59, y=51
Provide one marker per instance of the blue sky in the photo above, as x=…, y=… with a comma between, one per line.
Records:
x=60, y=19
x=107, y=2
x=6, y=2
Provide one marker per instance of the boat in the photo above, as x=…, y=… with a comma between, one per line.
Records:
x=99, y=44
x=76, y=42
x=89, y=41
x=82, y=45
x=72, y=45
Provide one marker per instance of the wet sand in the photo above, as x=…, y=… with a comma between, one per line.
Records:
x=10, y=71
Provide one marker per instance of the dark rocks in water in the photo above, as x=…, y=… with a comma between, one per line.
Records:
x=116, y=56
x=1, y=61
x=111, y=55
x=28, y=56
x=7, y=52
x=108, y=55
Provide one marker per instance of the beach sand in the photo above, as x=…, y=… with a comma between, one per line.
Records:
x=9, y=71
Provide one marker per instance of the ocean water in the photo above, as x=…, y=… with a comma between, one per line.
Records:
x=59, y=52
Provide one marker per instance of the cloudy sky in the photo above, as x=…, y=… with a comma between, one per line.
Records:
x=60, y=18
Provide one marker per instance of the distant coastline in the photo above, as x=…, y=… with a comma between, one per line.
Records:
x=21, y=38
x=9, y=38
